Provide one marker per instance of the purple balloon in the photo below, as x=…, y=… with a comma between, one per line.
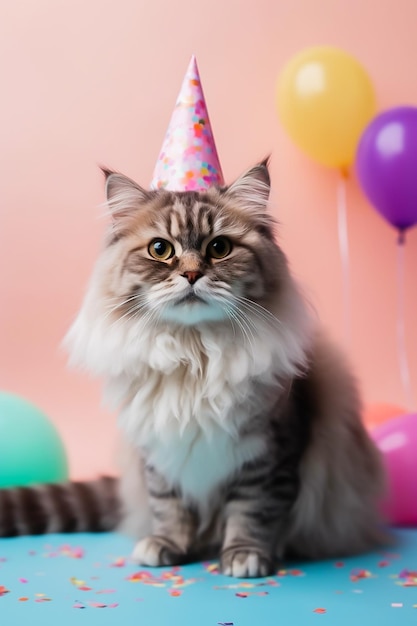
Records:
x=386, y=163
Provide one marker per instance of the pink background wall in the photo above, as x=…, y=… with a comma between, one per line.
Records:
x=88, y=82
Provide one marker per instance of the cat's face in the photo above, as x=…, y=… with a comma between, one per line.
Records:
x=191, y=257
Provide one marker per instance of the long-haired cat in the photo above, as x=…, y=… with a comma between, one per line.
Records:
x=241, y=424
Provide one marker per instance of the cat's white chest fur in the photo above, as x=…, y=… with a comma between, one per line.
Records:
x=192, y=397
x=198, y=465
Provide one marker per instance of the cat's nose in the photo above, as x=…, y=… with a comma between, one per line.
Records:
x=192, y=277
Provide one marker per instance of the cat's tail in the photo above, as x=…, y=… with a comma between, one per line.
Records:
x=68, y=507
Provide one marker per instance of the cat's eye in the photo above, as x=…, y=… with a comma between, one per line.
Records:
x=161, y=249
x=219, y=248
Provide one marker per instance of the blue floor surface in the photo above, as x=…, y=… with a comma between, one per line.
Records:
x=70, y=580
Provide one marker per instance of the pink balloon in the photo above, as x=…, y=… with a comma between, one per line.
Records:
x=397, y=440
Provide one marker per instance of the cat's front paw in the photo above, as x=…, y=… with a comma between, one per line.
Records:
x=155, y=551
x=245, y=563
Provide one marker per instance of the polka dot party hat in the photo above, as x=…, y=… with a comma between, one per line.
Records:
x=188, y=159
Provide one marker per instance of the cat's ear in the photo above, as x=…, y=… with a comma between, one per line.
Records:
x=251, y=190
x=123, y=196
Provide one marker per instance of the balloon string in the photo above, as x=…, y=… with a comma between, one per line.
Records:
x=344, y=255
x=401, y=340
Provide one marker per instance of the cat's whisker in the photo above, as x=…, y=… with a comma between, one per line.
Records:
x=257, y=310
x=131, y=311
x=258, y=307
x=248, y=330
x=119, y=302
x=235, y=314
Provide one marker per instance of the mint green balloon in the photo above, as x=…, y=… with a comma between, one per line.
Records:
x=31, y=450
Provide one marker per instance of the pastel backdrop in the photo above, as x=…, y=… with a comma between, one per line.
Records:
x=88, y=83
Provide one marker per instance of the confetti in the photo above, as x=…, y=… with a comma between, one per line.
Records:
x=406, y=578
x=171, y=579
x=360, y=574
x=119, y=562
x=65, y=550
x=101, y=605
x=292, y=572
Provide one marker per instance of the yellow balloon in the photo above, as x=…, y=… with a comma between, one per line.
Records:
x=325, y=99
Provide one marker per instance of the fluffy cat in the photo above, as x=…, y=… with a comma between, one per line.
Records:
x=241, y=423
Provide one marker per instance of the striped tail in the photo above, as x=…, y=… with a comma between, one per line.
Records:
x=53, y=508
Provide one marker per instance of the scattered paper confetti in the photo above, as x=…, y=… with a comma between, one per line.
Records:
x=65, y=550
x=101, y=605
x=78, y=605
x=171, y=579
x=360, y=574
x=212, y=568
x=406, y=578
x=174, y=582
x=77, y=582
x=291, y=572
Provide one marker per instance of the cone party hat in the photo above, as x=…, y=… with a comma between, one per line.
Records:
x=188, y=159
